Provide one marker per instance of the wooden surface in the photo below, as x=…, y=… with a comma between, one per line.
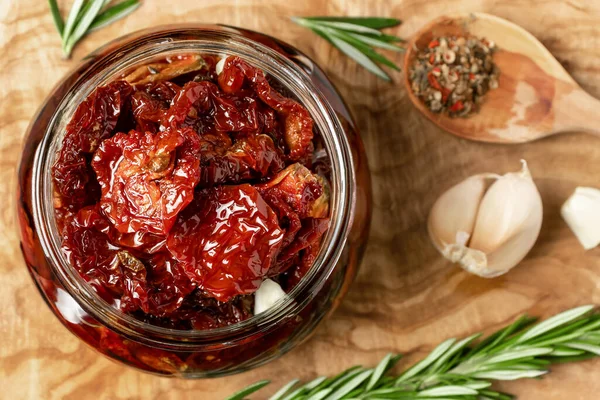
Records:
x=406, y=298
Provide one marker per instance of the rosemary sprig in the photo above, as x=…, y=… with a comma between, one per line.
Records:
x=357, y=37
x=465, y=369
x=86, y=16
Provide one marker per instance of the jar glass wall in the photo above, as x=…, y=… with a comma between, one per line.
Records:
x=233, y=348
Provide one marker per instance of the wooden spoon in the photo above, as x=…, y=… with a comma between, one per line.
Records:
x=535, y=97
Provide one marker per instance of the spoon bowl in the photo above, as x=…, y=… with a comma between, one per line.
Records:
x=535, y=98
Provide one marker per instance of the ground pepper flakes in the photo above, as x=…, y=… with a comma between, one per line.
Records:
x=453, y=74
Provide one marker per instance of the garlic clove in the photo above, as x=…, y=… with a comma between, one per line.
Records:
x=452, y=218
x=499, y=228
x=267, y=295
x=581, y=212
x=220, y=65
x=511, y=204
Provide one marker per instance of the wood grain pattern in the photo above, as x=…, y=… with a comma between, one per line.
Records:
x=406, y=298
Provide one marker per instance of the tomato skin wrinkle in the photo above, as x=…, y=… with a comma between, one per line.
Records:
x=227, y=240
x=179, y=190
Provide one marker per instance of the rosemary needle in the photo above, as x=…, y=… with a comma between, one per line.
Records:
x=86, y=16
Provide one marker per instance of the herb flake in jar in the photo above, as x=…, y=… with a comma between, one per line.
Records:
x=453, y=74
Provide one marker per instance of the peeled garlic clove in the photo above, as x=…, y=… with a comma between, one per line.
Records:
x=452, y=217
x=582, y=213
x=220, y=65
x=267, y=295
x=488, y=233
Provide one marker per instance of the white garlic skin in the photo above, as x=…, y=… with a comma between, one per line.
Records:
x=267, y=295
x=488, y=223
x=582, y=213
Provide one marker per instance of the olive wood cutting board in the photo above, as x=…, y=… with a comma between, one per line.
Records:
x=406, y=298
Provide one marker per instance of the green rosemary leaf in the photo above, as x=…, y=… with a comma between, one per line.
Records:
x=508, y=375
x=365, y=49
x=284, y=390
x=248, y=390
x=561, y=351
x=72, y=20
x=385, y=38
x=496, y=395
x=87, y=17
x=555, y=322
x=570, y=359
x=478, y=385
x=369, y=22
x=314, y=383
x=385, y=364
x=454, y=350
x=327, y=382
x=294, y=394
x=497, y=337
x=346, y=378
x=355, y=54
x=350, y=385
x=447, y=391
x=518, y=354
x=376, y=42
x=345, y=26
x=114, y=13
x=320, y=394
x=430, y=359
x=56, y=17
x=590, y=348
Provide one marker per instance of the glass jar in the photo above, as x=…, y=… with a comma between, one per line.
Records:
x=216, y=352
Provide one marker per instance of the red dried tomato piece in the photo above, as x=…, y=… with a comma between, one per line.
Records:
x=164, y=71
x=300, y=198
x=163, y=91
x=221, y=112
x=94, y=120
x=86, y=244
x=309, y=255
x=202, y=311
x=296, y=119
x=311, y=232
x=147, y=112
x=250, y=157
x=147, y=179
x=306, y=193
x=157, y=287
x=226, y=240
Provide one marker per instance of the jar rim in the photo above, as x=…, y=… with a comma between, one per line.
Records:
x=116, y=57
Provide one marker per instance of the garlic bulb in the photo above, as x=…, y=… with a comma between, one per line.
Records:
x=582, y=213
x=487, y=223
x=267, y=295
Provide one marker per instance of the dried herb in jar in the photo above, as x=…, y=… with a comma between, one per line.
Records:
x=453, y=74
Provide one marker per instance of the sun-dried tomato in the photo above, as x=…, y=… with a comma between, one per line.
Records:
x=157, y=287
x=226, y=240
x=87, y=247
x=147, y=112
x=305, y=192
x=296, y=119
x=250, y=157
x=147, y=179
x=94, y=120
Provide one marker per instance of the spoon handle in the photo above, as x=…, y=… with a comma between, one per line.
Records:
x=577, y=111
